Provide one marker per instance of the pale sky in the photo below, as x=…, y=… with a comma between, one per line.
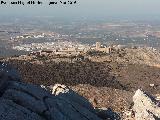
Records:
x=88, y=8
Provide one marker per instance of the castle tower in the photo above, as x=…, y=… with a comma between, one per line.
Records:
x=98, y=45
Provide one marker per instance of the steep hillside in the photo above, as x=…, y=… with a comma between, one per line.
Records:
x=113, y=77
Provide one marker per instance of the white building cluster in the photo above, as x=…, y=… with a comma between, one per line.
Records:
x=36, y=35
x=64, y=47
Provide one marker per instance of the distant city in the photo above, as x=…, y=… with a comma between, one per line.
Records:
x=38, y=34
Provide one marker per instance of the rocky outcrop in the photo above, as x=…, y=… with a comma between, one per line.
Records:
x=145, y=107
x=21, y=101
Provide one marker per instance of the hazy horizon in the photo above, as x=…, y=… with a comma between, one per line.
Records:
x=97, y=9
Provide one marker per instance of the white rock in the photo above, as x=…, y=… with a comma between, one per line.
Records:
x=145, y=107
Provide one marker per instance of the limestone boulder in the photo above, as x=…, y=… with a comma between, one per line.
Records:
x=145, y=106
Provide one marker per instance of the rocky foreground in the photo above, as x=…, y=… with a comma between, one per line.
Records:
x=22, y=101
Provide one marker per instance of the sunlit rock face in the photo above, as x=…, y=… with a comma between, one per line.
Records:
x=145, y=106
